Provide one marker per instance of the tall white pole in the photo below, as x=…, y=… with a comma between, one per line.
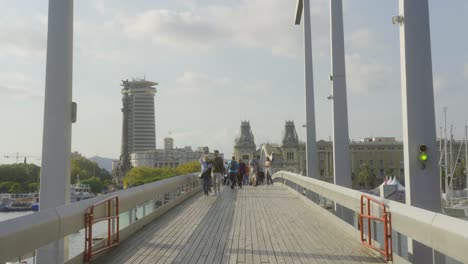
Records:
x=341, y=156
x=311, y=149
x=422, y=183
x=56, y=145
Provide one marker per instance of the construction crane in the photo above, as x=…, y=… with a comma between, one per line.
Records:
x=18, y=156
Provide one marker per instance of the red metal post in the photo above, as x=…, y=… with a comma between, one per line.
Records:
x=108, y=222
x=369, y=228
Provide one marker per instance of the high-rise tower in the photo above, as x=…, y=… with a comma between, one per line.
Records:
x=141, y=124
x=138, y=125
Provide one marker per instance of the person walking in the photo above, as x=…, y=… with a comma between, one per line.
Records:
x=204, y=175
x=217, y=172
x=233, y=171
x=226, y=174
x=241, y=172
x=253, y=171
x=268, y=171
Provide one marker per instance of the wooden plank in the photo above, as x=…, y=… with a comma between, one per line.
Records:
x=266, y=224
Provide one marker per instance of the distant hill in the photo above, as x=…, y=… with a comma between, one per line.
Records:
x=105, y=163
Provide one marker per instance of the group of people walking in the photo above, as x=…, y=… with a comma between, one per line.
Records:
x=215, y=172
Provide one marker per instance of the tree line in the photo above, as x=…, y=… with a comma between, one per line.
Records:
x=25, y=177
x=142, y=175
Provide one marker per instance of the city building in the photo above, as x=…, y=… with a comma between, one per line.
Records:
x=141, y=121
x=169, y=156
x=244, y=146
x=382, y=156
x=138, y=124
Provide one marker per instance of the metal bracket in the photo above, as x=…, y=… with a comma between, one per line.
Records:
x=73, y=112
x=397, y=19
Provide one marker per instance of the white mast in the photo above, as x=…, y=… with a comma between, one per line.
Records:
x=451, y=158
x=466, y=155
x=440, y=159
x=446, y=158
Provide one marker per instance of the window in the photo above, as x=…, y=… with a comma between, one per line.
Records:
x=361, y=162
x=381, y=163
x=245, y=157
x=382, y=172
x=290, y=156
x=371, y=162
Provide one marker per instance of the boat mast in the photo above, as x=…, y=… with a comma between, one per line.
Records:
x=466, y=156
x=447, y=202
x=451, y=159
x=440, y=159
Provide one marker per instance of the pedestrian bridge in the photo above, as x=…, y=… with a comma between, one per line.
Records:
x=293, y=221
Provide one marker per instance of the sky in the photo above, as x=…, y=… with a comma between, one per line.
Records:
x=219, y=62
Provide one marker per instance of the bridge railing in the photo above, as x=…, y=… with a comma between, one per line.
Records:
x=142, y=204
x=447, y=235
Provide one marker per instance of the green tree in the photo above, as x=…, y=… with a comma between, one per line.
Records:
x=20, y=173
x=34, y=187
x=142, y=175
x=5, y=186
x=87, y=169
x=366, y=177
x=15, y=188
x=95, y=184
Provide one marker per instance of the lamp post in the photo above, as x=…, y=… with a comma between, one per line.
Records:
x=56, y=142
x=311, y=149
x=418, y=117
x=341, y=159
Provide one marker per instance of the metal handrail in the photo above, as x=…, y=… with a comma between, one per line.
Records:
x=443, y=233
x=36, y=230
x=387, y=225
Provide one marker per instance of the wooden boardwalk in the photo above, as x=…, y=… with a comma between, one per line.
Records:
x=267, y=224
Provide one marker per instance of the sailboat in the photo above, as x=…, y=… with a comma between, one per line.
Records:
x=457, y=206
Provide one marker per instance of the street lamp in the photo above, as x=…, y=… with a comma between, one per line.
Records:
x=311, y=156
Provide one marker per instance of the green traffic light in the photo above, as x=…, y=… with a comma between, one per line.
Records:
x=423, y=156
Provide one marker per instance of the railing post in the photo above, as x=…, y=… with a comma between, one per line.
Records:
x=130, y=216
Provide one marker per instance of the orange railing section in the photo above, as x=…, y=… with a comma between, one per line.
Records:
x=112, y=219
x=386, y=219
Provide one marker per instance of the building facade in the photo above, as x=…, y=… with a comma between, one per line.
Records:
x=141, y=118
x=383, y=156
x=169, y=157
x=244, y=146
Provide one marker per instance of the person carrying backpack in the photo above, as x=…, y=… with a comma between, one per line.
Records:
x=233, y=171
x=217, y=172
x=204, y=175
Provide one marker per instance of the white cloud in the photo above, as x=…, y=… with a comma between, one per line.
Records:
x=364, y=38
x=191, y=83
x=16, y=84
x=172, y=29
x=441, y=83
x=23, y=38
x=364, y=74
x=264, y=24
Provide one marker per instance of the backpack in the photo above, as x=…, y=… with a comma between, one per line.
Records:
x=232, y=165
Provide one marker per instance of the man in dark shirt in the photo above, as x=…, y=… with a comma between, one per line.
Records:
x=217, y=172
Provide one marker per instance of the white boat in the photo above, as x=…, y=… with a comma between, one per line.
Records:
x=80, y=192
